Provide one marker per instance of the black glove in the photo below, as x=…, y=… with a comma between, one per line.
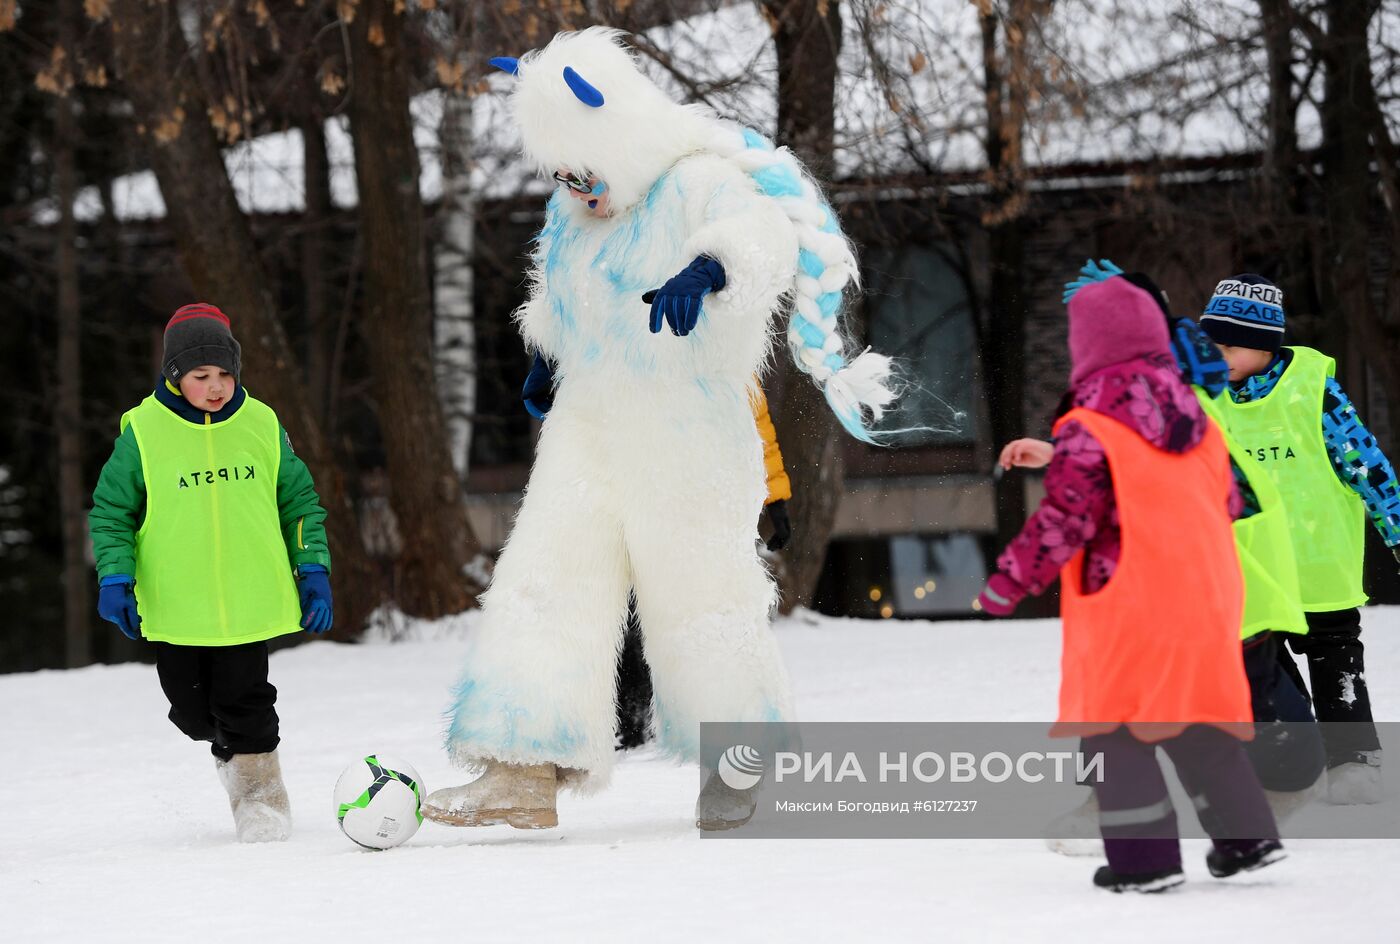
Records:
x=1396, y=551
x=782, y=525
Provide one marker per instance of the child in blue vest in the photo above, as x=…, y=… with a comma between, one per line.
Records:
x=201, y=520
x=1287, y=409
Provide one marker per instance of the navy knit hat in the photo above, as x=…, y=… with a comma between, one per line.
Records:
x=1143, y=281
x=197, y=335
x=1245, y=311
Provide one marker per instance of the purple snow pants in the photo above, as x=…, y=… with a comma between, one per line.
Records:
x=1136, y=815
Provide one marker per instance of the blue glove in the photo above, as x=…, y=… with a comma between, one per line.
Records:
x=1201, y=362
x=314, y=588
x=678, y=301
x=538, y=392
x=1092, y=272
x=116, y=603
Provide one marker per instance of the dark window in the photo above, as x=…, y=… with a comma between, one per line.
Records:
x=917, y=310
x=906, y=575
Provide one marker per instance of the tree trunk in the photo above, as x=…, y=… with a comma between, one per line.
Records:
x=1003, y=332
x=68, y=415
x=807, y=36
x=1346, y=183
x=454, y=327
x=438, y=544
x=1281, y=159
x=219, y=256
x=1292, y=227
x=320, y=327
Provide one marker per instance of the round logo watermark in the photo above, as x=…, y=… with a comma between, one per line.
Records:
x=741, y=767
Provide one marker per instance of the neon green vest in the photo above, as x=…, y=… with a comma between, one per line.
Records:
x=1271, y=598
x=211, y=565
x=1282, y=434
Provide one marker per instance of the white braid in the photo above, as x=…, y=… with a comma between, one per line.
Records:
x=815, y=337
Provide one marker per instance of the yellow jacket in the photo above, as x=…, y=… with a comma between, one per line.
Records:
x=779, y=486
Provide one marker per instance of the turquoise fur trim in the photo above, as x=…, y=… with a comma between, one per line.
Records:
x=672, y=739
x=563, y=314
x=685, y=745
x=493, y=730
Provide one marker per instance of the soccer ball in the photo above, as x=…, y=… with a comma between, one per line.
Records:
x=377, y=802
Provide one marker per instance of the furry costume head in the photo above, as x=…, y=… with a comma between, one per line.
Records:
x=582, y=96
x=583, y=105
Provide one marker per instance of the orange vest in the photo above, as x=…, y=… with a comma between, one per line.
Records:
x=1158, y=647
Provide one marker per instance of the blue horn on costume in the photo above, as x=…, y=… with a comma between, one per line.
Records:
x=582, y=90
x=506, y=64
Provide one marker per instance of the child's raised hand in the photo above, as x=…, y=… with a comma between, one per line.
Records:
x=1026, y=454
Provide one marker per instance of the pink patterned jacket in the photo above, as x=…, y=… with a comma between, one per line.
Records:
x=1079, y=510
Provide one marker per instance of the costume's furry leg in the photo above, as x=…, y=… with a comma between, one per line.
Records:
x=540, y=671
x=703, y=597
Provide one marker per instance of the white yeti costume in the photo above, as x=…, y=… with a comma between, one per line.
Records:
x=649, y=471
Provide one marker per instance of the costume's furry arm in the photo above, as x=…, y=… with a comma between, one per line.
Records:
x=747, y=232
x=532, y=318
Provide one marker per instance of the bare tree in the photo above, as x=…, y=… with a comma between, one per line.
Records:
x=1354, y=135
x=68, y=414
x=1009, y=82
x=438, y=545
x=807, y=35
x=454, y=325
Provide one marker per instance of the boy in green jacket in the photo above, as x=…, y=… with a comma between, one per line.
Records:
x=209, y=540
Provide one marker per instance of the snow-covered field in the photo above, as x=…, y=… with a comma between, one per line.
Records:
x=119, y=830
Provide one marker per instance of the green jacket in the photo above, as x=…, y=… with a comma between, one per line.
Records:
x=119, y=501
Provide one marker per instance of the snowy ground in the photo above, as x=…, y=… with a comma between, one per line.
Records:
x=121, y=832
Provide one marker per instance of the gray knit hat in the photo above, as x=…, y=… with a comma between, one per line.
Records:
x=196, y=335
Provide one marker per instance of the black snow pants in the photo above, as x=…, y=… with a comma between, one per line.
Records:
x=221, y=694
x=633, y=688
x=1287, y=751
x=1340, y=697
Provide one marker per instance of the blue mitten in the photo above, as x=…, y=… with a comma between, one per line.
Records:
x=678, y=301
x=314, y=588
x=1200, y=360
x=116, y=603
x=1091, y=272
x=538, y=392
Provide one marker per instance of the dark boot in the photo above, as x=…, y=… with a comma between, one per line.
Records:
x=1144, y=882
x=1227, y=859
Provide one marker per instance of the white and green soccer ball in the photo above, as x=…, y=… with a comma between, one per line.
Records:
x=378, y=801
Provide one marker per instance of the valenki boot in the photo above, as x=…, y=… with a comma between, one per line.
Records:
x=519, y=795
x=253, y=782
x=1356, y=783
x=1076, y=832
x=721, y=807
